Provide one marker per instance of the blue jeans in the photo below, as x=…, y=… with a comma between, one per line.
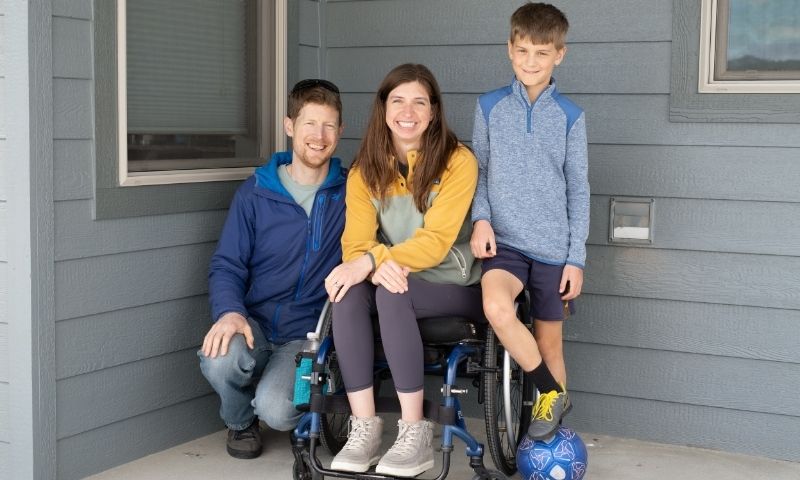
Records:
x=257, y=382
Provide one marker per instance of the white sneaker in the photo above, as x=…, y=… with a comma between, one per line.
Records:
x=411, y=453
x=363, y=445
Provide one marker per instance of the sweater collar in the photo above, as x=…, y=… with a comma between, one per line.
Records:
x=519, y=89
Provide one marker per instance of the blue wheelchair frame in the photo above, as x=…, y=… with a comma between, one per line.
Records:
x=306, y=437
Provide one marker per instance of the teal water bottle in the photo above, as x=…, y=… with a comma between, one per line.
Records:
x=302, y=374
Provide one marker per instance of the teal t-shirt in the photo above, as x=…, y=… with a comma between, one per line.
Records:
x=302, y=194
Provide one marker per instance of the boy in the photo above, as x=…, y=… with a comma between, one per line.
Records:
x=531, y=207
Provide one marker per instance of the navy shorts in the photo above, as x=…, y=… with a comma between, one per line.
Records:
x=541, y=279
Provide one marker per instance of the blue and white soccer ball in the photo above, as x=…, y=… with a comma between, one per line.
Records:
x=562, y=457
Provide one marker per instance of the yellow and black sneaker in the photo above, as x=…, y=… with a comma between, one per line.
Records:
x=550, y=407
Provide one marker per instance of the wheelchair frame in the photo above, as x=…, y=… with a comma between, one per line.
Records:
x=312, y=430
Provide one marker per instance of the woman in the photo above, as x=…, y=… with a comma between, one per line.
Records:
x=406, y=256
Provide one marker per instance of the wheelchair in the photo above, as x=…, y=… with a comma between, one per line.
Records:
x=455, y=349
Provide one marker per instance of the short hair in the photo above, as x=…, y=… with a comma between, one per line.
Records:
x=313, y=90
x=541, y=23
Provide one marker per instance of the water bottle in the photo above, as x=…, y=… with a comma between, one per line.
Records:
x=302, y=375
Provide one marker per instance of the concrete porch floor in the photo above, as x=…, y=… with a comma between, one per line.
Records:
x=610, y=458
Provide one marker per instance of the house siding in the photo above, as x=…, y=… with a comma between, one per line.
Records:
x=669, y=339
x=4, y=360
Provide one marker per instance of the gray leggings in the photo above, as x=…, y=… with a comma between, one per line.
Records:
x=397, y=315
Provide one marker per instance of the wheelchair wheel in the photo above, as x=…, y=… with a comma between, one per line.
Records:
x=506, y=405
x=333, y=426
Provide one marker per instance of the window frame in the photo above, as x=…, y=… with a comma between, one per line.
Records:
x=118, y=196
x=713, y=54
x=688, y=104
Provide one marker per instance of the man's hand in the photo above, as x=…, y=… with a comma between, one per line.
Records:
x=218, y=338
x=393, y=276
x=344, y=276
x=574, y=276
x=482, y=242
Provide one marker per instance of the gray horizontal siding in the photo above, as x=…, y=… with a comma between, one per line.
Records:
x=72, y=170
x=3, y=128
x=308, y=33
x=103, y=284
x=4, y=407
x=3, y=231
x=3, y=292
x=685, y=378
x=718, y=428
x=712, y=172
x=5, y=447
x=73, y=9
x=4, y=360
x=71, y=58
x=690, y=327
x=471, y=22
x=88, y=344
x=308, y=62
x=713, y=225
x=480, y=68
x=128, y=390
x=721, y=278
x=121, y=442
x=80, y=236
x=72, y=109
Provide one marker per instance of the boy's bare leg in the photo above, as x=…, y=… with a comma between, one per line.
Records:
x=548, y=336
x=500, y=289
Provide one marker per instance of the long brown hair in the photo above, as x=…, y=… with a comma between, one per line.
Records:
x=375, y=157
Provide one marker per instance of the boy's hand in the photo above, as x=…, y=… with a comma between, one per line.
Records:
x=482, y=241
x=392, y=275
x=217, y=339
x=574, y=276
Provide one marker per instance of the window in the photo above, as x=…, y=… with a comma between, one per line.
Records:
x=195, y=89
x=151, y=184
x=750, y=46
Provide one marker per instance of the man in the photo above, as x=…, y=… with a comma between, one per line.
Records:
x=280, y=240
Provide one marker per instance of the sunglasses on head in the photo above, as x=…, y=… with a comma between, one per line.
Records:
x=315, y=82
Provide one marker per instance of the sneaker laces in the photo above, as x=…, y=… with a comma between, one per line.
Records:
x=543, y=410
x=358, y=438
x=407, y=438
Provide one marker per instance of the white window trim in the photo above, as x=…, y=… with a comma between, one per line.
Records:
x=706, y=82
x=129, y=179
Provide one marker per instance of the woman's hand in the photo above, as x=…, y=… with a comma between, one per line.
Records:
x=392, y=275
x=344, y=276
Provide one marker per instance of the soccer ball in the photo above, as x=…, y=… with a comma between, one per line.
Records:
x=562, y=457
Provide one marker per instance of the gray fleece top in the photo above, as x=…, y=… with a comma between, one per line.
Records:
x=533, y=182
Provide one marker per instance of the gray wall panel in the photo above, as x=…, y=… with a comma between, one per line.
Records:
x=72, y=170
x=4, y=407
x=71, y=58
x=3, y=159
x=104, y=284
x=734, y=173
x=3, y=128
x=4, y=293
x=309, y=26
x=480, y=68
x=308, y=63
x=72, y=109
x=142, y=435
x=5, y=449
x=73, y=8
x=692, y=327
x=128, y=390
x=713, y=225
x=4, y=360
x=683, y=377
x=88, y=344
x=723, y=278
x=3, y=232
x=669, y=422
x=453, y=22
x=79, y=236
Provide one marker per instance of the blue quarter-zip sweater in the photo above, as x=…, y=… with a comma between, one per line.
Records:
x=272, y=258
x=533, y=173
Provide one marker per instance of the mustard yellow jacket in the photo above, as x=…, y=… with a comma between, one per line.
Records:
x=434, y=245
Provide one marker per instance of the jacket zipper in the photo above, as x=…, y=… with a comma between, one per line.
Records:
x=460, y=261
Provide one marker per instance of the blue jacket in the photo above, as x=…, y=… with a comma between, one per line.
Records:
x=272, y=259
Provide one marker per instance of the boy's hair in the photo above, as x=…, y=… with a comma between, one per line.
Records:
x=541, y=23
x=313, y=90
